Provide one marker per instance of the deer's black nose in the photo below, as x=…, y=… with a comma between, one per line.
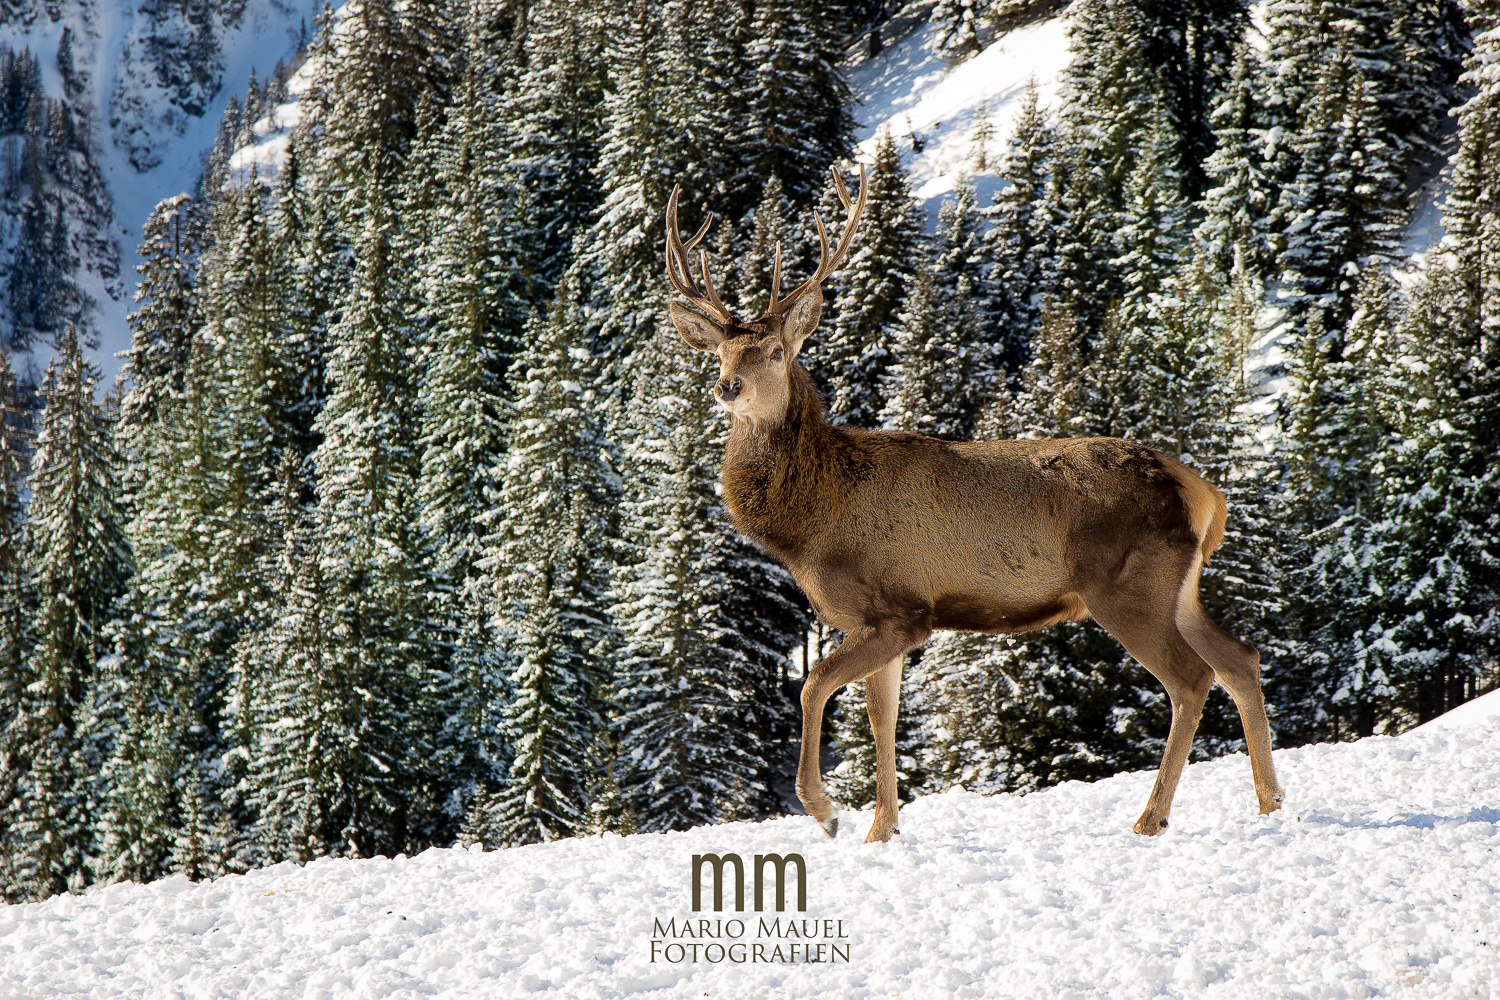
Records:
x=729, y=389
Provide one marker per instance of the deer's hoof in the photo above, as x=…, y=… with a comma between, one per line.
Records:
x=830, y=825
x=1271, y=804
x=1150, y=826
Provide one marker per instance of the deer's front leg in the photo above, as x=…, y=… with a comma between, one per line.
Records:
x=863, y=652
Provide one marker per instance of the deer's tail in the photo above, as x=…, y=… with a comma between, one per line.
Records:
x=1206, y=507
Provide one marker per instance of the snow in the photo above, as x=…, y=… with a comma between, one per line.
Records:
x=1380, y=877
x=1484, y=710
x=913, y=89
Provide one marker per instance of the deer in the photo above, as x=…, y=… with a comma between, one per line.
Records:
x=892, y=536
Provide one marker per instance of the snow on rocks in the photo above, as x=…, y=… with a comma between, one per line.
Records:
x=1381, y=877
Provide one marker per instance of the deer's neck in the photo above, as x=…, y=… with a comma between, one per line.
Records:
x=786, y=481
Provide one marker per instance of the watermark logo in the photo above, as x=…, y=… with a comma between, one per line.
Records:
x=718, y=864
x=779, y=940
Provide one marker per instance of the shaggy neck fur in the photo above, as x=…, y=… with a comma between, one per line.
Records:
x=786, y=480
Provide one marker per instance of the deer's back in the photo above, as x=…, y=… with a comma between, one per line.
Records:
x=967, y=535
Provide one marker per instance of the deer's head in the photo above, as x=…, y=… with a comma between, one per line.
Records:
x=754, y=358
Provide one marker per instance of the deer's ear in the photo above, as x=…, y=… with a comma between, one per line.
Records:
x=700, y=332
x=802, y=318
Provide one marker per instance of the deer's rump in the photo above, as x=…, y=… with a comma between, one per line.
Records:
x=1002, y=536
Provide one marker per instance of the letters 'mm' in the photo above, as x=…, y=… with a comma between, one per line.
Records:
x=761, y=860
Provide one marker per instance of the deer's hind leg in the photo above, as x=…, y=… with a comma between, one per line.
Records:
x=883, y=701
x=1236, y=664
x=1145, y=626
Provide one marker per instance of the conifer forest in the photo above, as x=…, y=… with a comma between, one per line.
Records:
x=402, y=525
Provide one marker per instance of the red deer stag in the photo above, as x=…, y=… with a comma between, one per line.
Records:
x=894, y=535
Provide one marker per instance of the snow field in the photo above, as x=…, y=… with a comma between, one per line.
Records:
x=1380, y=878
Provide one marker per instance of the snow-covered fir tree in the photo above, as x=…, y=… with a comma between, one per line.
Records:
x=15, y=639
x=555, y=117
x=1240, y=194
x=1337, y=440
x=478, y=282
x=168, y=311
x=77, y=563
x=960, y=22
x=1441, y=487
x=857, y=353
x=1020, y=235
x=550, y=553
x=798, y=103
x=374, y=558
x=684, y=755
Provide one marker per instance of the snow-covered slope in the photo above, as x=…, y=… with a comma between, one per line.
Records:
x=1381, y=877
x=915, y=91
x=136, y=123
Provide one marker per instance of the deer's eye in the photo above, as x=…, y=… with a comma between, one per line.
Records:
x=777, y=354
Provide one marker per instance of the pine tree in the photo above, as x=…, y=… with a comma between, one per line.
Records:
x=1191, y=50
x=858, y=351
x=15, y=639
x=1153, y=227
x=304, y=231
x=169, y=312
x=478, y=288
x=1341, y=209
x=1441, y=488
x=299, y=715
x=684, y=755
x=959, y=22
x=797, y=105
x=967, y=309
x=555, y=113
x=551, y=552
x=77, y=561
x=1110, y=104
x=15, y=446
x=141, y=753
x=1334, y=443
x=373, y=557
x=1020, y=235
x=619, y=262
x=377, y=67
x=922, y=380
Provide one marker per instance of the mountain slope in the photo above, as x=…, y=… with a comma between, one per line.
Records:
x=1381, y=876
x=157, y=78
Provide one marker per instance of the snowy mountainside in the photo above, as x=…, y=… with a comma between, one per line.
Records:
x=156, y=78
x=934, y=108
x=1380, y=877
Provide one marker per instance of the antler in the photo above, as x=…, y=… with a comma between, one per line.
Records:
x=678, y=266
x=826, y=264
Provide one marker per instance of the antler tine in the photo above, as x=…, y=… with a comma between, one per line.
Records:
x=679, y=270
x=708, y=282
x=846, y=238
x=838, y=183
x=699, y=234
x=776, y=274
x=820, y=274
x=827, y=262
